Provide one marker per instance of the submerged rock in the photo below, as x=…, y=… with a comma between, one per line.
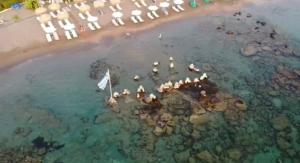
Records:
x=205, y=156
x=23, y=131
x=281, y=122
x=182, y=156
x=234, y=154
x=199, y=119
x=249, y=50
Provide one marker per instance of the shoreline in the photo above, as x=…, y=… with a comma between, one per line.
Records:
x=19, y=55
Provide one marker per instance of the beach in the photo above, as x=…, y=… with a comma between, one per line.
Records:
x=240, y=104
x=20, y=44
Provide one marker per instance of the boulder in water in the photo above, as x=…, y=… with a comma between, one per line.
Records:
x=249, y=50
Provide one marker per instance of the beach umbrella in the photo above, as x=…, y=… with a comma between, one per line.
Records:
x=40, y=10
x=62, y=15
x=99, y=4
x=115, y=2
x=117, y=14
x=84, y=8
x=54, y=6
x=78, y=1
x=45, y=18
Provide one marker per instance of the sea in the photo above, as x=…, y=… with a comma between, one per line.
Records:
x=52, y=111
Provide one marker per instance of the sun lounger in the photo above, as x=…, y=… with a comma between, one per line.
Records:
x=74, y=33
x=48, y=37
x=50, y=24
x=68, y=23
x=115, y=22
x=81, y=16
x=140, y=18
x=55, y=35
x=76, y=5
x=120, y=21
x=150, y=15
x=137, y=4
x=91, y=26
x=133, y=19
x=180, y=7
x=175, y=9
x=61, y=24
x=53, y=14
x=68, y=35
x=155, y=14
x=112, y=8
x=38, y=18
x=143, y=3
x=97, y=25
x=119, y=7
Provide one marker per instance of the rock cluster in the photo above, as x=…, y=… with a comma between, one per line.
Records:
x=288, y=79
x=99, y=68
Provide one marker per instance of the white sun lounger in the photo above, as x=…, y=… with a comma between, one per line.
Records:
x=81, y=16
x=55, y=35
x=143, y=3
x=61, y=24
x=38, y=18
x=112, y=8
x=140, y=18
x=114, y=22
x=120, y=21
x=155, y=14
x=91, y=26
x=74, y=33
x=137, y=4
x=150, y=15
x=50, y=24
x=53, y=14
x=76, y=5
x=133, y=19
x=175, y=9
x=97, y=25
x=180, y=7
x=48, y=37
x=119, y=7
x=68, y=35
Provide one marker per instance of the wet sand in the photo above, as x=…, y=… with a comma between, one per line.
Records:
x=26, y=51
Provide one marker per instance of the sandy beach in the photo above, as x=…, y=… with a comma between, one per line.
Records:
x=19, y=44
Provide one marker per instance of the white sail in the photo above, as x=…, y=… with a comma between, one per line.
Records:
x=102, y=84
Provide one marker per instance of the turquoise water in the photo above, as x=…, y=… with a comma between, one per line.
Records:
x=54, y=98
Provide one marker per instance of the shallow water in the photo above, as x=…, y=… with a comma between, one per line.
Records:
x=53, y=97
